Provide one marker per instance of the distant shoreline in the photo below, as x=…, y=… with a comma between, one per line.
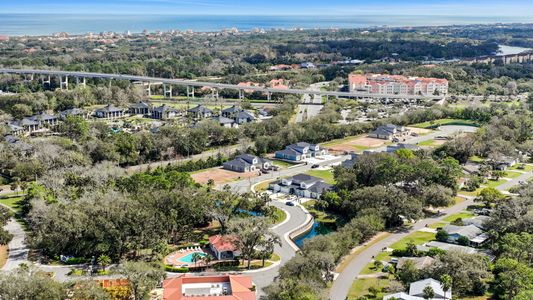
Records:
x=18, y=25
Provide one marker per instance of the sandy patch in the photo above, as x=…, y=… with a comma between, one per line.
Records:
x=220, y=176
x=419, y=130
x=359, y=143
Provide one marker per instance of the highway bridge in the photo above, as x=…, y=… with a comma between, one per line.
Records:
x=191, y=84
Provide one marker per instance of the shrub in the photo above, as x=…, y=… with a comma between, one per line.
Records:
x=75, y=260
x=463, y=241
x=441, y=236
x=173, y=269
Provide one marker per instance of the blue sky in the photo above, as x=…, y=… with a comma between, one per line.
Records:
x=521, y=8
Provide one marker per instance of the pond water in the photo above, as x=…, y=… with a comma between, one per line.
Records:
x=317, y=229
x=510, y=50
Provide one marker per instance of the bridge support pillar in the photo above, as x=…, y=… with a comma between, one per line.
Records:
x=149, y=90
x=269, y=96
x=63, y=84
x=167, y=91
x=241, y=95
x=214, y=93
x=190, y=92
x=46, y=80
x=81, y=82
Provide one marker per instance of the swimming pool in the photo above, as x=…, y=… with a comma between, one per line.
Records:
x=188, y=258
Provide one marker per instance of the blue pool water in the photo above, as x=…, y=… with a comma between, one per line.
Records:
x=188, y=258
x=317, y=229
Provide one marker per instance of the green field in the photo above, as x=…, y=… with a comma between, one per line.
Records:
x=327, y=175
x=418, y=238
x=511, y=174
x=12, y=202
x=494, y=183
x=436, y=123
x=282, y=164
x=527, y=168
x=360, y=288
x=462, y=215
x=428, y=143
x=279, y=216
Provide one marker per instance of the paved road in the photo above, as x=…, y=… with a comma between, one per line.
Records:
x=18, y=251
x=296, y=218
x=307, y=111
x=341, y=286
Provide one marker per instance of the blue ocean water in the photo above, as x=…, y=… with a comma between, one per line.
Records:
x=44, y=24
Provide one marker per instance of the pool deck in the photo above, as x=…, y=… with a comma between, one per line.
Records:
x=175, y=257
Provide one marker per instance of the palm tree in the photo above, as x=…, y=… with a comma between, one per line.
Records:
x=446, y=283
x=104, y=261
x=429, y=293
x=196, y=257
x=207, y=259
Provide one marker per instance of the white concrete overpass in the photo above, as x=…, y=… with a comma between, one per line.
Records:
x=191, y=84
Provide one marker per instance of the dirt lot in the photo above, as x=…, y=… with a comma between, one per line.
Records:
x=421, y=131
x=220, y=175
x=356, y=143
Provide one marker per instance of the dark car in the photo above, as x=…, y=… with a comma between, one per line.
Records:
x=314, y=166
x=289, y=203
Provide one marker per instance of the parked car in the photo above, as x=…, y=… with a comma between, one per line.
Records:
x=289, y=203
x=414, y=134
x=314, y=166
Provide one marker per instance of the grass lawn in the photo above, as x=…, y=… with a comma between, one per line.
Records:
x=346, y=260
x=320, y=216
x=360, y=287
x=3, y=255
x=327, y=175
x=441, y=122
x=417, y=237
x=262, y=186
x=282, y=164
x=428, y=143
x=476, y=159
x=458, y=200
x=437, y=225
x=527, y=168
x=462, y=215
x=279, y=216
x=511, y=174
x=473, y=193
x=493, y=183
x=275, y=257
x=12, y=202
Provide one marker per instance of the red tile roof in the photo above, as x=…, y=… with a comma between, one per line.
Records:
x=241, y=287
x=223, y=243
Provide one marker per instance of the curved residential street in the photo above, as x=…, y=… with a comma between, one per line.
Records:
x=341, y=285
x=296, y=218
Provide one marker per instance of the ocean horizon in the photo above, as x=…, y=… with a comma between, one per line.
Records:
x=46, y=24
